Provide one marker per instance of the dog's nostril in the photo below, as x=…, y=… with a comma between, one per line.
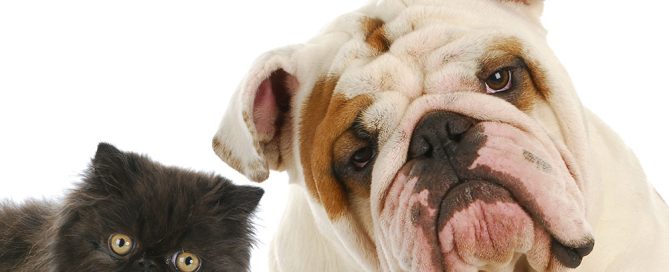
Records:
x=419, y=147
x=456, y=127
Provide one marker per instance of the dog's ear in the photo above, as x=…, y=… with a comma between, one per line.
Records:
x=532, y=7
x=249, y=134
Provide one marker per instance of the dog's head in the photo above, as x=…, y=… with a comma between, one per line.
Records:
x=433, y=134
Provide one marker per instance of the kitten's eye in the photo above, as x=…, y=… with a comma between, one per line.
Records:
x=499, y=81
x=120, y=244
x=187, y=262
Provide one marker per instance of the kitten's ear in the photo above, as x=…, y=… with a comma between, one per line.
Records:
x=248, y=197
x=241, y=199
x=108, y=155
x=110, y=169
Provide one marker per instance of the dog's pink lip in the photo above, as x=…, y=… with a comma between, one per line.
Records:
x=457, y=188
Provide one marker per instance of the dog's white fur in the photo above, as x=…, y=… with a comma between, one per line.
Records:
x=629, y=221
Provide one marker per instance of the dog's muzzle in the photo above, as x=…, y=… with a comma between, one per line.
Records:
x=481, y=195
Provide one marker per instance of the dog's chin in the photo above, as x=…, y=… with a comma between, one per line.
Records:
x=479, y=224
x=462, y=226
x=437, y=223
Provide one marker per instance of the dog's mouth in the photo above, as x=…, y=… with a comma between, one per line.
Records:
x=497, y=201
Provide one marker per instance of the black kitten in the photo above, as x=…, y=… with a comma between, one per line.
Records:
x=133, y=214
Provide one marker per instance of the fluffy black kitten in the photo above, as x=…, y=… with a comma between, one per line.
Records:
x=133, y=214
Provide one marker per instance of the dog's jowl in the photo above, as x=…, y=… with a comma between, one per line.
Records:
x=440, y=135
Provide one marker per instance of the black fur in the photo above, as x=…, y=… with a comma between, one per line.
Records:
x=164, y=209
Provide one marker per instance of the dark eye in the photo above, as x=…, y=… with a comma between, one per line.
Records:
x=499, y=81
x=362, y=156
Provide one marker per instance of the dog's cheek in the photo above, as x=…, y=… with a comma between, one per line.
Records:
x=319, y=130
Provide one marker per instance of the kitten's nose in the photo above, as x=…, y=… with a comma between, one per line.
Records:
x=146, y=265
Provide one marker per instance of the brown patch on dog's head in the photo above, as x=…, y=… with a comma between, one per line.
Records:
x=325, y=118
x=312, y=114
x=375, y=35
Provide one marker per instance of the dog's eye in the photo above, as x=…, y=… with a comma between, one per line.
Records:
x=186, y=261
x=499, y=81
x=362, y=156
x=120, y=244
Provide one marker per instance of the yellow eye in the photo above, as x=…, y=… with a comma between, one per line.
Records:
x=187, y=262
x=120, y=244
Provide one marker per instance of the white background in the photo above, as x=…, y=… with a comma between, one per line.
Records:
x=155, y=77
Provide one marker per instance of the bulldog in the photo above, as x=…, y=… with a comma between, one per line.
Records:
x=440, y=135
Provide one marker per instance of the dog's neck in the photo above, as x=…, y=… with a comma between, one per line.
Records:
x=623, y=207
x=299, y=235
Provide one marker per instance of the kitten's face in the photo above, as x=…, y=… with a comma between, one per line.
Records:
x=132, y=214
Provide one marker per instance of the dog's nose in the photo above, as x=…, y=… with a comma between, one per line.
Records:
x=436, y=131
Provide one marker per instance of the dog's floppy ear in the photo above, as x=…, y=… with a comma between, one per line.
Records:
x=248, y=136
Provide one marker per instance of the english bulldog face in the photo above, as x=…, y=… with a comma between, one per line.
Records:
x=431, y=135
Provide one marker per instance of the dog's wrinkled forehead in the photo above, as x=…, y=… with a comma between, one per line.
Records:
x=425, y=47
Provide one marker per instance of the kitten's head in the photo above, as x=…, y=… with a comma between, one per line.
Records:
x=133, y=214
